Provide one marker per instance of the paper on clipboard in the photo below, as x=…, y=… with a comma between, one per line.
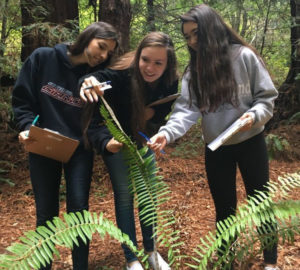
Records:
x=51, y=144
x=226, y=134
x=164, y=100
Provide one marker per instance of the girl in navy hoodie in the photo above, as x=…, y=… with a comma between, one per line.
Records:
x=47, y=86
x=137, y=80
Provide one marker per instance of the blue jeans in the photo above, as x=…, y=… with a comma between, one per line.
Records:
x=124, y=209
x=46, y=176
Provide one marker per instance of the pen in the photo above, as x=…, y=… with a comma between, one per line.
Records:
x=33, y=123
x=35, y=119
x=103, y=84
x=148, y=140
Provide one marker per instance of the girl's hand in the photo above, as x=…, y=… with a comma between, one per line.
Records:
x=250, y=116
x=149, y=113
x=158, y=142
x=91, y=94
x=113, y=146
x=24, y=139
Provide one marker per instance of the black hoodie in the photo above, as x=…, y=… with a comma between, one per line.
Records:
x=47, y=86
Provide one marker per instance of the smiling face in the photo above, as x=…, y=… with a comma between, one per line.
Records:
x=190, y=34
x=152, y=63
x=99, y=50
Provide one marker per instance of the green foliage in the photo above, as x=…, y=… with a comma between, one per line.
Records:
x=276, y=145
x=4, y=179
x=260, y=211
x=295, y=118
x=149, y=189
x=36, y=248
x=191, y=145
x=86, y=13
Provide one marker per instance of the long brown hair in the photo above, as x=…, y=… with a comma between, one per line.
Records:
x=212, y=79
x=101, y=30
x=138, y=85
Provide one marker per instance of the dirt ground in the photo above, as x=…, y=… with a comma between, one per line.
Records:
x=190, y=199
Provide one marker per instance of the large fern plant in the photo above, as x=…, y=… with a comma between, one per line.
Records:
x=36, y=248
x=150, y=192
x=254, y=222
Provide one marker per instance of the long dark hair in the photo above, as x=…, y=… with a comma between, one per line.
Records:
x=101, y=30
x=212, y=78
x=138, y=85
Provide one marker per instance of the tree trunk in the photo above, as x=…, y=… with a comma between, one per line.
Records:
x=3, y=30
x=150, y=17
x=265, y=27
x=117, y=13
x=288, y=101
x=39, y=11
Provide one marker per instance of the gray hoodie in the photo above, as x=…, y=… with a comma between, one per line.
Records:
x=256, y=93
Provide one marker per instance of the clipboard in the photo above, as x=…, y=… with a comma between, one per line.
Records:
x=51, y=144
x=164, y=100
x=227, y=133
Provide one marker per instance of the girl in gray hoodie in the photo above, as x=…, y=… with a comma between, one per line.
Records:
x=225, y=80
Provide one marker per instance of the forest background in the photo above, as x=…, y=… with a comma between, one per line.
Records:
x=271, y=26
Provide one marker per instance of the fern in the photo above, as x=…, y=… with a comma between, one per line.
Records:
x=259, y=209
x=151, y=192
x=37, y=247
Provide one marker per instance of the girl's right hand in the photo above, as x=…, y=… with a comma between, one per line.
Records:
x=157, y=143
x=24, y=139
x=91, y=94
x=113, y=146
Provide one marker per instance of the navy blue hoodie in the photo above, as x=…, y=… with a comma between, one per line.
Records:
x=48, y=86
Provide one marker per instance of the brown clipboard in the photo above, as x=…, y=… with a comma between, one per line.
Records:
x=51, y=144
x=164, y=100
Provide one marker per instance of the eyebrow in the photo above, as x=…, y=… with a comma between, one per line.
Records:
x=102, y=43
x=192, y=31
x=156, y=60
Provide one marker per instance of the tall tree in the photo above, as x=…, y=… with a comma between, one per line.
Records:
x=37, y=17
x=117, y=13
x=151, y=17
x=288, y=102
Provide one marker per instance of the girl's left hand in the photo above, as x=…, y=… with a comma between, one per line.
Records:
x=250, y=116
x=113, y=146
x=149, y=113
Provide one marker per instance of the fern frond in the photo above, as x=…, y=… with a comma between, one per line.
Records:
x=36, y=248
x=149, y=189
x=258, y=210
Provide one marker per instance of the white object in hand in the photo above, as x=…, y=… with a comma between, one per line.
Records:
x=226, y=134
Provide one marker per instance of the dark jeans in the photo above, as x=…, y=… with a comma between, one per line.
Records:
x=124, y=210
x=252, y=159
x=46, y=176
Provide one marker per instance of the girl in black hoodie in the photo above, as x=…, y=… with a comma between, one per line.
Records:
x=47, y=86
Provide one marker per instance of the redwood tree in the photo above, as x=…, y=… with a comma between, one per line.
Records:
x=37, y=16
x=117, y=13
x=288, y=102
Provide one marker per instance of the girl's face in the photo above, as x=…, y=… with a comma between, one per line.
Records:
x=190, y=34
x=98, y=51
x=152, y=63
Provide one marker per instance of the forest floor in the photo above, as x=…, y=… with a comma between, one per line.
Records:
x=190, y=199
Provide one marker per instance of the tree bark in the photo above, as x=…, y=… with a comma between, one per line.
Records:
x=3, y=30
x=39, y=11
x=117, y=13
x=288, y=101
x=150, y=17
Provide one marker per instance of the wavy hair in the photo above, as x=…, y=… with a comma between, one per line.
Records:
x=138, y=85
x=212, y=78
